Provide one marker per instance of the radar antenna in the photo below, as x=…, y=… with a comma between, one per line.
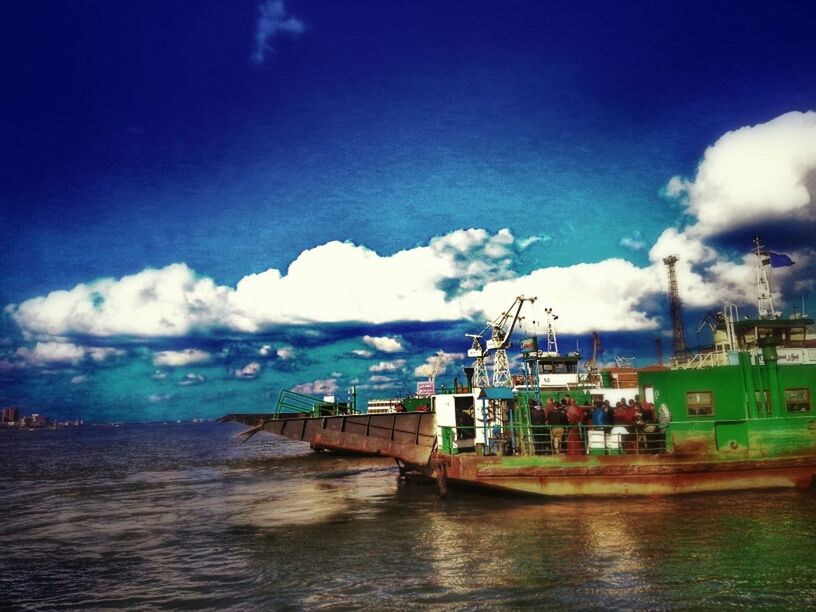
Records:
x=765, y=305
x=552, y=340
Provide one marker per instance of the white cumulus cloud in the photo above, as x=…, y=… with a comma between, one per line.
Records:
x=285, y=352
x=192, y=379
x=52, y=353
x=424, y=283
x=437, y=364
x=608, y=295
x=324, y=386
x=387, y=366
x=249, y=371
x=180, y=358
x=756, y=173
x=379, y=379
x=384, y=344
x=165, y=303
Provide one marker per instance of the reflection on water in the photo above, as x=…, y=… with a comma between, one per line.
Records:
x=185, y=516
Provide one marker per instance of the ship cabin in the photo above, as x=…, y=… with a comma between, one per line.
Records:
x=549, y=370
x=792, y=337
x=558, y=370
x=475, y=420
x=757, y=402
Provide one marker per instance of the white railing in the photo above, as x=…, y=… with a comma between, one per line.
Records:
x=701, y=360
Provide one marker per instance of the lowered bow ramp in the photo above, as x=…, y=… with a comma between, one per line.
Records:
x=407, y=436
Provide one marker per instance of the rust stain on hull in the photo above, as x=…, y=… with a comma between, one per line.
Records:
x=409, y=437
x=623, y=476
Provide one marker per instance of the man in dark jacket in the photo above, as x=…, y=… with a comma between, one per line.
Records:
x=557, y=421
x=538, y=419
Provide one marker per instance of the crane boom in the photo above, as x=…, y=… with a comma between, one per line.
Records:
x=500, y=341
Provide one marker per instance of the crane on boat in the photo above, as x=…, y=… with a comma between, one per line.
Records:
x=478, y=353
x=501, y=329
x=593, y=373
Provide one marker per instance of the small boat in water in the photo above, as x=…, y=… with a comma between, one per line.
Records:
x=736, y=416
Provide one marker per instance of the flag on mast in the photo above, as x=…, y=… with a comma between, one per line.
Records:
x=779, y=260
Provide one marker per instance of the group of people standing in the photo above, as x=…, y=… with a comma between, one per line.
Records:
x=555, y=420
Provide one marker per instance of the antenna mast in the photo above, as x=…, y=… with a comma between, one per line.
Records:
x=552, y=341
x=678, y=337
x=765, y=306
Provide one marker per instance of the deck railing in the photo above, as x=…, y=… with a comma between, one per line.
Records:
x=568, y=440
x=701, y=360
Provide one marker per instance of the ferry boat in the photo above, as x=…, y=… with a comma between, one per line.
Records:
x=737, y=415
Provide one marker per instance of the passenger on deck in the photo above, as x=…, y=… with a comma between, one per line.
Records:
x=598, y=415
x=640, y=427
x=557, y=420
x=624, y=420
x=574, y=418
x=631, y=409
x=587, y=412
x=648, y=410
x=609, y=413
x=538, y=419
x=620, y=416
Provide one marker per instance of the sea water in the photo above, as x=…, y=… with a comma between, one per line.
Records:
x=185, y=516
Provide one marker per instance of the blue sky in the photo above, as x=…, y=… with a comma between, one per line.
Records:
x=165, y=163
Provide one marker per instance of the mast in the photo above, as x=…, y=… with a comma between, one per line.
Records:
x=552, y=341
x=678, y=337
x=765, y=305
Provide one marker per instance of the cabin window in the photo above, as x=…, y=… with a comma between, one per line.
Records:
x=797, y=400
x=700, y=403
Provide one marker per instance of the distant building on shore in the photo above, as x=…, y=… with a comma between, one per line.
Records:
x=9, y=415
x=380, y=406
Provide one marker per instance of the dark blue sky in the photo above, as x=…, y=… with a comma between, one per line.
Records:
x=141, y=134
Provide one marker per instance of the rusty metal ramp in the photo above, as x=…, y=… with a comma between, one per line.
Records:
x=407, y=436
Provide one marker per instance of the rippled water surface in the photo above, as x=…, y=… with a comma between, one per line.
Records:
x=183, y=516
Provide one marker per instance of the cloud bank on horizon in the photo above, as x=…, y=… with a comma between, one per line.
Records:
x=749, y=176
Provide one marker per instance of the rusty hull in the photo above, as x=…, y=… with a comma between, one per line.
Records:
x=625, y=475
x=407, y=436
